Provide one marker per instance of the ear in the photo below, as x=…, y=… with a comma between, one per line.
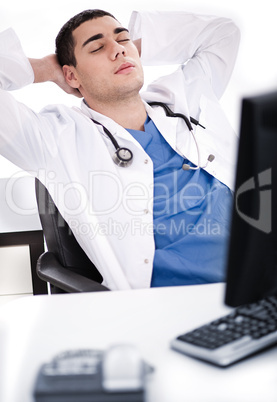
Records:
x=71, y=76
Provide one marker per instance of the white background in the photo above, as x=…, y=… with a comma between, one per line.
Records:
x=37, y=24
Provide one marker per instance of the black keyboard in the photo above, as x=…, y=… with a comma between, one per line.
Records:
x=246, y=330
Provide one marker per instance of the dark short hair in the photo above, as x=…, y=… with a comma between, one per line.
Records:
x=64, y=41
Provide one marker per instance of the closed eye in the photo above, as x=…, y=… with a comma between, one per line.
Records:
x=96, y=50
x=118, y=41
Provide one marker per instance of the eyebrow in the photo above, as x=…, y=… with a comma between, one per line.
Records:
x=100, y=36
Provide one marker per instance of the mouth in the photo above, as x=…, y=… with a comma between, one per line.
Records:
x=125, y=68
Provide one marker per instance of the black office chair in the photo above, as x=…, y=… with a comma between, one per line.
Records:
x=64, y=265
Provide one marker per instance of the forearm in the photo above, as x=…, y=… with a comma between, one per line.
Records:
x=15, y=69
x=175, y=37
x=43, y=69
x=206, y=46
x=48, y=69
x=20, y=128
x=137, y=43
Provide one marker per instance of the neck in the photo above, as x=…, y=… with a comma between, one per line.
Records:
x=130, y=114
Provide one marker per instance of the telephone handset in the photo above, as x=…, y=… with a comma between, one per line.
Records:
x=116, y=375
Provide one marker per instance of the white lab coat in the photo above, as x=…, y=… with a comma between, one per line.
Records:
x=109, y=208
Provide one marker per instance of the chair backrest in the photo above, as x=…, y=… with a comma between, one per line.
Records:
x=59, y=238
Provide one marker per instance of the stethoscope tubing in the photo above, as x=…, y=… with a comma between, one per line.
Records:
x=123, y=156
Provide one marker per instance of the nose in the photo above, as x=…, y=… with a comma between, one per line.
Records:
x=117, y=50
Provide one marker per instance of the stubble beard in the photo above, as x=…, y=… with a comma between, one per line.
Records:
x=101, y=94
x=124, y=93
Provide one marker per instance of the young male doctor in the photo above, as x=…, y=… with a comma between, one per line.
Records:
x=157, y=213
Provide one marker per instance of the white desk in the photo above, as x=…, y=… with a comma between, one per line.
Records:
x=34, y=329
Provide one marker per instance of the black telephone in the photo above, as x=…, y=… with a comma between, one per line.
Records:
x=93, y=375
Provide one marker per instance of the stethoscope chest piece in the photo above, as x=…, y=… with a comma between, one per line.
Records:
x=123, y=157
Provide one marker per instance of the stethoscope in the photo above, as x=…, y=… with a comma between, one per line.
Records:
x=123, y=157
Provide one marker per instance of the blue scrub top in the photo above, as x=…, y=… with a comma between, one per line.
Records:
x=192, y=212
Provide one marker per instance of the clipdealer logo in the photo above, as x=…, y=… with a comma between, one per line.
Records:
x=264, y=220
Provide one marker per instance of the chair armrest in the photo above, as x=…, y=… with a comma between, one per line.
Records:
x=50, y=270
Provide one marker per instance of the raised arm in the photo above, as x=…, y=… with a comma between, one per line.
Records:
x=16, y=70
x=27, y=138
x=206, y=45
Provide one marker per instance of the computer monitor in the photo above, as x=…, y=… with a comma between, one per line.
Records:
x=252, y=260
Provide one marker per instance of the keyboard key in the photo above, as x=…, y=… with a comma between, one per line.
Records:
x=248, y=328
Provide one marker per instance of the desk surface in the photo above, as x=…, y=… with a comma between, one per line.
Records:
x=35, y=329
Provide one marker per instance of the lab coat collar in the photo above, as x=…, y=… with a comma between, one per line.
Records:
x=166, y=125
x=114, y=128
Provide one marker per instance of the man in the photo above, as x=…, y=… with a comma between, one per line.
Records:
x=163, y=218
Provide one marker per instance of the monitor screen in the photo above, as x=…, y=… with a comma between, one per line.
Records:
x=252, y=259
